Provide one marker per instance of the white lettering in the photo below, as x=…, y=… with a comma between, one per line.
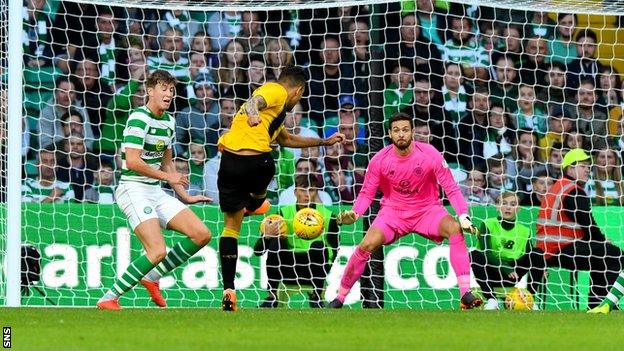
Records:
x=334, y=276
x=62, y=271
x=393, y=268
x=94, y=264
x=430, y=269
x=245, y=272
x=202, y=273
x=123, y=250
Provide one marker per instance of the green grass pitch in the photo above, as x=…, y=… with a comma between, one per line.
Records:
x=283, y=329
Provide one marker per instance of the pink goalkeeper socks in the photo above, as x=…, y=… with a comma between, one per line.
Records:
x=460, y=262
x=353, y=271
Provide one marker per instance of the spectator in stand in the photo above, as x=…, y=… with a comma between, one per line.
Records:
x=357, y=52
x=422, y=132
x=428, y=107
x=503, y=88
x=559, y=125
x=46, y=188
x=233, y=65
x=524, y=158
x=510, y=44
x=488, y=35
x=197, y=162
x=93, y=92
x=306, y=167
x=103, y=190
x=533, y=69
x=223, y=26
x=76, y=166
x=37, y=38
x=328, y=80
x=72, y=123
x=474, y=189
x=181, y=21
x=355, y=149
x=170, y=58
x=497, y=180
x=432, y=21
x=530, y=113
x=201, y=43
x=555, y=92
x=415, y=51
x=591, y=119
x=278, y=55
x=553, y=164
x=400, y=92
x=198, y=65
x=586, y=66
x=574, y=140
x=562, y=48
x=64, y=99
x=540, y=25
x=257, y=74
x=455, y=95
x=462, y=48
x=540, y=183
x=609, y=90
x=473, y=130
x=251, y=33
x=605, y=186
x=292, y=123
x=499, y=137
x=136, y=62
x=117, y=112
x=196, y=122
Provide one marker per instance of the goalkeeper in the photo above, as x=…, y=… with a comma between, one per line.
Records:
x=408, y=173
x=506, y=253
x=246, y=167
x=146, y=154
x=292, y=260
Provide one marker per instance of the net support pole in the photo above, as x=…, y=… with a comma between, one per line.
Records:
x=14, y=156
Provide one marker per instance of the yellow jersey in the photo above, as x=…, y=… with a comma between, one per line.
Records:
x=243, y=137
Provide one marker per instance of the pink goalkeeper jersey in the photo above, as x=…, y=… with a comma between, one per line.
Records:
x=409, y=182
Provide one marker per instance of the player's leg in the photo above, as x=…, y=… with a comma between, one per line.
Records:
x=262, y=169
x=184, y=221
x=228, y=254
x=374, y=239
x=449, y=228
x=614, y=263
x=533, y=263
x=153, y=242
x=280, y=266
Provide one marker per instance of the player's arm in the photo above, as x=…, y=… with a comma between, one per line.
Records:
x=295, y=141
x=253, y=107
x=135, y=163
x=366, y=195
x=452, y=191
x=168, y=167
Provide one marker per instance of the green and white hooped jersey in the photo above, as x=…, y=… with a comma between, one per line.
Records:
x=150, y=133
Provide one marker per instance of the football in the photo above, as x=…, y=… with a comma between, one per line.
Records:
x=283, y=229
x=519, y=299
x=308, y=223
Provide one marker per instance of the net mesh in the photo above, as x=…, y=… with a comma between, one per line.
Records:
x=501, y=91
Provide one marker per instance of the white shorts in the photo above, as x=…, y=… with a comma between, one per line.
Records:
x=140, y=202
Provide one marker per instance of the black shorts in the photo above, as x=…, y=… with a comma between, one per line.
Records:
x=243, y=180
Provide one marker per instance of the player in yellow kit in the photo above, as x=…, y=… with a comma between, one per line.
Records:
x=247, y=167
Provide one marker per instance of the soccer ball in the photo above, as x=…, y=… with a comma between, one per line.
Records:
x=519, y=299
x=308, y=223
x=283, y=229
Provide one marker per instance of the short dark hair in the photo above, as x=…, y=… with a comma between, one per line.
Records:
x=72, y=112
x=159, y=76
x=293, y=76
x=306, y=181
x=419, y=122
x=562, y=15
x=587, y=33
x=401, y=116
x=62, y=79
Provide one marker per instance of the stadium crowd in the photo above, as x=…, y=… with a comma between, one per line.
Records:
x=503, y=95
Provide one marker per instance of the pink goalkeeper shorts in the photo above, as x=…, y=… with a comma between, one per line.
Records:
x=395, y=223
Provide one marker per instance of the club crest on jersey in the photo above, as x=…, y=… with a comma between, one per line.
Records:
x=160, y=145
x=147, y=210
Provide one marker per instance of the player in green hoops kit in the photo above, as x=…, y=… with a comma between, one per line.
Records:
x=146, y=160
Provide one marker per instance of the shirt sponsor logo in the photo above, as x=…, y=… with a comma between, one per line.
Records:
x=134, y=131
x=153, y=154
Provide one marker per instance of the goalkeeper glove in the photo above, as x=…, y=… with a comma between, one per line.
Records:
x=466, y=224
x=347, y=217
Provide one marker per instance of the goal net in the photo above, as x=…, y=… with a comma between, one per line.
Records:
x=503, y=89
